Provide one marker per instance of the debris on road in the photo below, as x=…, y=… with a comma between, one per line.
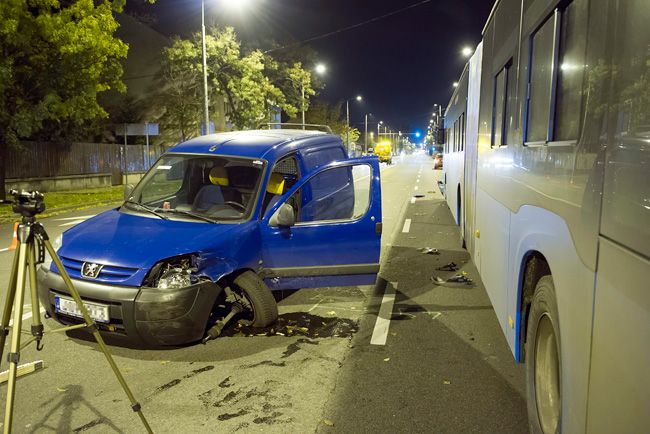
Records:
x=328, y=422
x=429, y=251
x=299, y=324
x=458, y=278
x=452, y=266
x=387, y=359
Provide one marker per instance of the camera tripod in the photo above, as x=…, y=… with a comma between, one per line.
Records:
x=33, y=241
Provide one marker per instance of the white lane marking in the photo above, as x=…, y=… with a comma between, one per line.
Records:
x=407, y=225
x=412, y=200
x=26, y=316
x=417, y=181
x=315, y=306
x=75, y=218
x=416, y=188
x=380, y=333
x=4, y=250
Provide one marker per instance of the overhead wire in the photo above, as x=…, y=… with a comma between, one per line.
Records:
x=351, y=27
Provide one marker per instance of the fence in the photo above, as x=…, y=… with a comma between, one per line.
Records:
x=49, y=160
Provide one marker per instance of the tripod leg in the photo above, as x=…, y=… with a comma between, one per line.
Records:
x=13, y=356
x=37, y=325
x=100, y=341
x=9, y=304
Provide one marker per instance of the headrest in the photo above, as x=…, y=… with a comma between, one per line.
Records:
x=276, y=184
x=219, y=176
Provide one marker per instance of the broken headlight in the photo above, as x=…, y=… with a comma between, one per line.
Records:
x=172, y=273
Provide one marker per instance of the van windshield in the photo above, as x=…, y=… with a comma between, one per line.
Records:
x=200, y=188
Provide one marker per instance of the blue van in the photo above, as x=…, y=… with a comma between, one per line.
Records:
x=215, y=225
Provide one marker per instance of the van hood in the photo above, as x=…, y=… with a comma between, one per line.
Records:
x=134, y=241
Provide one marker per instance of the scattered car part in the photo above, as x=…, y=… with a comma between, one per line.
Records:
x=452, y=266
x=429, y=251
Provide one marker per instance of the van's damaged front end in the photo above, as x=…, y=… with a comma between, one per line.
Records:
x=128, y=290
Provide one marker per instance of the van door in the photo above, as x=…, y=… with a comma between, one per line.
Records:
x=332, y=236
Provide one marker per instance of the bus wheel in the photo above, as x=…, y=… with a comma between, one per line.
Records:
x=543, y=361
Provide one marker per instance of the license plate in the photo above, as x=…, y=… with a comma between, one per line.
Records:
x=67, y=306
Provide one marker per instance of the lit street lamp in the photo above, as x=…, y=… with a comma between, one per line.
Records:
x=320, y=69
x=467, y=51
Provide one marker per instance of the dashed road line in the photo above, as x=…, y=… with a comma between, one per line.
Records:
x=4, y=250
x=407, y=226
x=412, y=200
x=380, y=332
x=416, y=188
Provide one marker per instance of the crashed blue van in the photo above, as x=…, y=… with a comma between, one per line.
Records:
x=213, y=227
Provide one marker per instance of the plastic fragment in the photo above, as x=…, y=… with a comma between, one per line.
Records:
x=387, y=359
x=451, y=266
x=429, y=251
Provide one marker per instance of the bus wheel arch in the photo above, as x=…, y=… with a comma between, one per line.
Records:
x=540, y=344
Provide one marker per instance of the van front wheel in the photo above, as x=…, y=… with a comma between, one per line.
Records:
x=261, y=309
x=543, y=361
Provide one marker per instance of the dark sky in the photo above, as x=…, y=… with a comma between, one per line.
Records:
x=401, y=64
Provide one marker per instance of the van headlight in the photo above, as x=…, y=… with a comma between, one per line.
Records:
x=58, y=242
x=172, y=273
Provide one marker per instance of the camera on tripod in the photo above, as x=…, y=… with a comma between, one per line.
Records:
x=27, y=203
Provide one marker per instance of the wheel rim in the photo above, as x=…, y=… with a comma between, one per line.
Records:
x=547, y=376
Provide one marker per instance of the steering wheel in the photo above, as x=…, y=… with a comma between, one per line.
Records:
x=236, y=205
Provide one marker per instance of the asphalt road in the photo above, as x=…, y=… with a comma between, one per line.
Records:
x=433, y=360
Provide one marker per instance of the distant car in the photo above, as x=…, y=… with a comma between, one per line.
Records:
x=215, y=224
x=437, y=161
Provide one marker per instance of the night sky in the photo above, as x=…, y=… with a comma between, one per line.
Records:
x=401, y=64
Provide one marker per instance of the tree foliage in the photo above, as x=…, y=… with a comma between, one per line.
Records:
x=250, y=83
x=55, y=58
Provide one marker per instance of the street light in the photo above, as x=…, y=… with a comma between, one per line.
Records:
x=378, y=125
x=347, y=117
x=320, y=69
x=240, y=4
x=455, y=84
x=467, y=51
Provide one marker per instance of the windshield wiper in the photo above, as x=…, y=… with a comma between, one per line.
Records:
x=191, y=214
x=146, y=208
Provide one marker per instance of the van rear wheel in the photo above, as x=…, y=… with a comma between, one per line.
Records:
x=543, y=361
x=261, y=309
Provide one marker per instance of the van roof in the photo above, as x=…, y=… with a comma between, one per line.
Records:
x=267, y=144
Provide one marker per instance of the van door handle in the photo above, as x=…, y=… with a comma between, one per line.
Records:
x=378, y=228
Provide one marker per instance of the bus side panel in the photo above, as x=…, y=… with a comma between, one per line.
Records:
x=619, y=388
x=471, y=148
x=454, y=170
x=492, y=259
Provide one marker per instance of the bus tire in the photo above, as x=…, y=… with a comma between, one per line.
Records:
x=543, y=361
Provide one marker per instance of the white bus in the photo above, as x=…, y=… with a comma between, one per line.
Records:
x=547, y=171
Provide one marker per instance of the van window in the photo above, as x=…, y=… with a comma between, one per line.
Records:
x=319, y=157
x=341, y=193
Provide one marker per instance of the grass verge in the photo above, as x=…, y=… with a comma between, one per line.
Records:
x=60, y=201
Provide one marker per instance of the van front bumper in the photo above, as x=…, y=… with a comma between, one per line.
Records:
x=151, y=316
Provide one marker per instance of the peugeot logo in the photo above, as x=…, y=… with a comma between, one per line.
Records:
x=90, y=270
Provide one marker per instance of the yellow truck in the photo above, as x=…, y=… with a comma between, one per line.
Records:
x=384, y=151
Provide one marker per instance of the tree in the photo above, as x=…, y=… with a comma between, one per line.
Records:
x=55, y=58
x=180, y=90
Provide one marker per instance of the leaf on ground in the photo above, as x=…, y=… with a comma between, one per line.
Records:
x=328, y=422
x=164, y=362
x=331, y=313
x=446, y=382
x=61, y=389
x=387, y=359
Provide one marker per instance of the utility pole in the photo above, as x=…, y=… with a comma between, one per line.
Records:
x=205, y=72
x=347, y=122
x=365, y=140
x=302, y=102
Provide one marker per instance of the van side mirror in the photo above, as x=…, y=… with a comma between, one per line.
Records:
x=128, y=189
x=284, y=217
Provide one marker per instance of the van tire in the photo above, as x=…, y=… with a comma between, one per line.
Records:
x=265, y=309
x=543, y=361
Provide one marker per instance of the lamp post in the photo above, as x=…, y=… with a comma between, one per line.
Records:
x=365, y=137
x=205, y=72
x=320, y=69
x=378, y=125
x=347, y=117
